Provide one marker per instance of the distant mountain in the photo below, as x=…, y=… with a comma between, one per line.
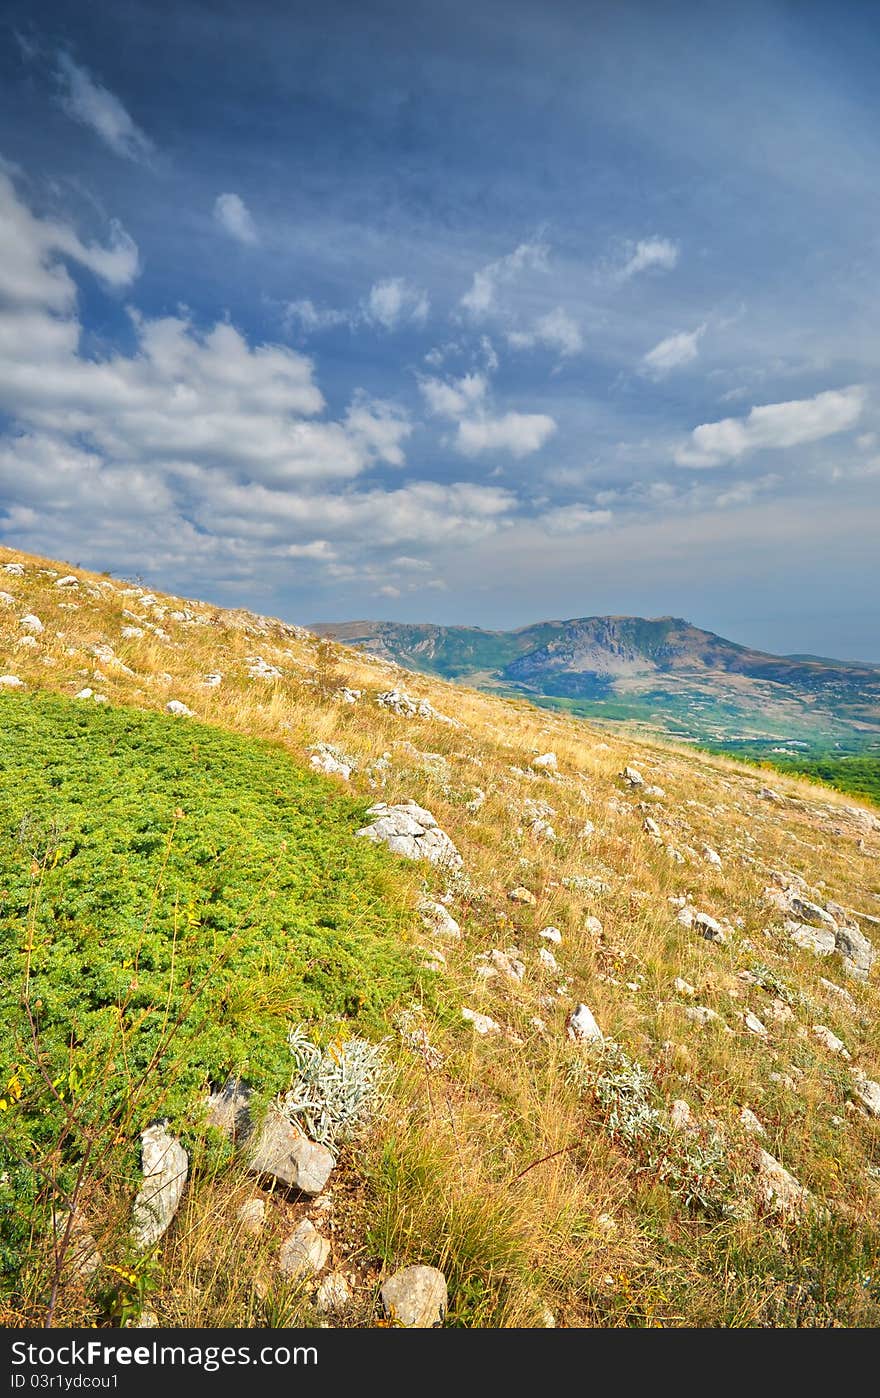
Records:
x=661, y=671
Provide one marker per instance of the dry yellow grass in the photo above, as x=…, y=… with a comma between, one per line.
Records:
x=495, y=1166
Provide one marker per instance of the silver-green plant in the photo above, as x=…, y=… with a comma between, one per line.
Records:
x=336, y=1089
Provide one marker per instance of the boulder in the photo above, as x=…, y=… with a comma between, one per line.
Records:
x=483, y=1024
x=857, y=952
x=438, y=920
x=333, y=1293
x=821, y=941
x=777, y=1189
x=830, y=1041
x=174, y=706
x=416, y=1298
x=708, y=927
x=284, y=1153
x=165, y=1166
x=582, y=1027
x=251, y=1215
x=411, y=831
x=229, y=1110
x=866, y=1093
x=632, y=777
x=522, y=895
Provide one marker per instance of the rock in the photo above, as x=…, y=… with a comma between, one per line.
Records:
x=6, y=599
x=685, y=916
x=586, y=830
x=438, y=919
x=304, y=1253
x=594, y=926
x=16, y=570
x=777, y=1189
x=508, y=964
x=828, y=1040
x=651, y=828
x=229, y=1110
x=808, y=911
x=545, y=763
x=582, y=1027
x=768, y=794
x=68, y=581
x=435, y=961
x=750, y=1123
x=260, y=669
x=708, y=927
x=165, y=1166
x=27, y=642
x=411, y=831
x=857, y=952
x=405, y=706
x=174, y=706
x=632, y=777
x=84, y=694
x=11, y=682
x=551, y=934
x=282, y=1151
x=702, y=1014
x=522, y=895
x=680, y=1117
x=820, y=941
x=483, y=1024
x=251, y=1216
x=329, y=760
x=82, y=1257
x=711, y=856
x=348, y=696
x=416, y=1298
x=683, y=987
x=780, y=1012
x=333, y=1293
x=867, y=1093
x=212, y=680
x=754, y=1025
x=839, y=994
x=547, y=959
x=132, y=633
x=32, y=623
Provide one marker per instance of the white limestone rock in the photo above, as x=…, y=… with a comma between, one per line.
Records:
x=304, y=1253
x=483, y=1024
x=411, y=831
x=438, y=919
x=830, y=1041
x=174, y=706
x=165, y=1166
x=416, y=1298
x=582, y=1027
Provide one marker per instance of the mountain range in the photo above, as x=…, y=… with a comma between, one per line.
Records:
x=663, y=673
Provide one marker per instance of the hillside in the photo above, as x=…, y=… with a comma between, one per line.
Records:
x=663, y=672
x=620, y=997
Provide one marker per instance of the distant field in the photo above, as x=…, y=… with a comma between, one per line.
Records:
x=859, y=776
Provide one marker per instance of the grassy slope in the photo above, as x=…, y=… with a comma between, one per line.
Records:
x=503, y=1165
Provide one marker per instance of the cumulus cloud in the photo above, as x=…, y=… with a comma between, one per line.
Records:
x=556, y=330
x=394, y=301
x=519, y=433
x=661, y=253
x=311, y=317
x=574, y=519
x=673, y=352
x=234, y=218
x=773, y=425
x=453, y=399
x=482, y=296
x=87, y=102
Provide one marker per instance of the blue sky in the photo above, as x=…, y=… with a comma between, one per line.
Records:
x=478, y=313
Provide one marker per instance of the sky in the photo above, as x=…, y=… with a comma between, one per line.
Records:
x=478, y=314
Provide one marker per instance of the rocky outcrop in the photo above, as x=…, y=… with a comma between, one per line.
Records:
x=411, y=831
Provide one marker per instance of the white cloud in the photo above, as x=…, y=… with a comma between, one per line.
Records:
x=453, y=399
x=312, y=317
x=649, y=252
x=773, y=425
x=481, y=299
x=519, y=433
x=673, y=352
x=394, y=301
x=96, y=107
x=379, y=428
x=557, y=330
x=867, y=441
x=574, y=519
x=234, y=218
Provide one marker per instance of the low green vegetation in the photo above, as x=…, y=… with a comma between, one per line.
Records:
x=172, y=897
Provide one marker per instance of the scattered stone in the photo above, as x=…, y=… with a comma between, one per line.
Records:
x=711, y=856
x=329, y=760
x=828, y=1040
x=6, y=599
x=507, y=964
x=778, y=1190
x=15, y=569
x=651, y=828
x=586, y=830
x=165, y=1166
x=866, y=1092
x=405, y=706
x=174, y=706
x=229, y=1110
x=780, y=1012
x=304, y=1253
x=857, y=952
x=607, y=1224
x=551, y=934
x=754, y=1025
x=284, y=1153
x=333, y=1294
x=411, y=831
x=685, y=916
x=11, y=682
x=213, y=680
x=438, y=919
x=594, y=926
x=819, y=940
x=708, y=927
x=348, y=696
x=632, y=777
x=68, y=581
x=582, y=1027
x=251, y=1216
x=483, y=1024
x=32, y=623
x=768, y=794
x=260, y=669
x=750, y=1123
x=27, y=642
x=683, y=987
x=702, y=1014
x=546, y=763
x=82, y=1257
x=416, y=1298
x=522, y=895
x=547, y=959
